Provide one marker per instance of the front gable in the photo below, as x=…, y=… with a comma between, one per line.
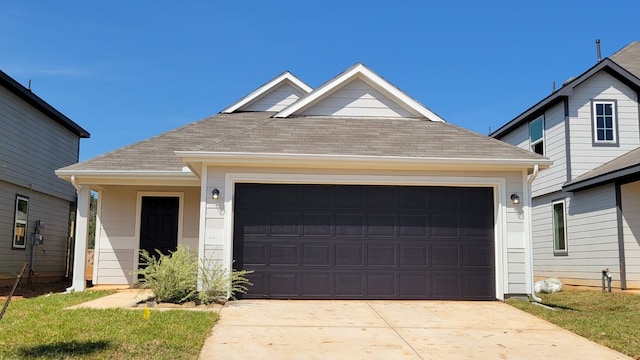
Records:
x=278, y=93
x=358, y=92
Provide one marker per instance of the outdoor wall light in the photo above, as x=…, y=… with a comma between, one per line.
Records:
x=215, y=194
x=515, y=199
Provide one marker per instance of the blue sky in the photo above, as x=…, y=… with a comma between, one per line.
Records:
x=129, y=70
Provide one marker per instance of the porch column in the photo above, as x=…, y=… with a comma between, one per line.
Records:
x=80, y=248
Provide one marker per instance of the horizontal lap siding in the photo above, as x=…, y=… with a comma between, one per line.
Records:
x=32, y=147
x=116, y=239
x=276, y=99
x=631, y=231
x=592, y=240
x=585, y=156
x=551, y=179
x=357, y=99
x=50, y=263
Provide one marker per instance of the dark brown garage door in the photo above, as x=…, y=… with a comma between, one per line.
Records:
x=365, y=242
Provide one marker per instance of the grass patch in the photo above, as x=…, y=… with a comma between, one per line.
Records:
x=610, y=319
x=40, y=328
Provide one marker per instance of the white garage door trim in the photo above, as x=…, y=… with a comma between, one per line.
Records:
x=498, y=184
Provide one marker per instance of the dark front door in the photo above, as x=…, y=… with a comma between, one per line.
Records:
x=365, y=242
x=159, y=224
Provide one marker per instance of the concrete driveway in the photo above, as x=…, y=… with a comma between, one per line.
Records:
x=304, y=329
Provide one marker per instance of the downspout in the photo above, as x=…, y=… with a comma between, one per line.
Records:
x=75, y=184
x=529, y=182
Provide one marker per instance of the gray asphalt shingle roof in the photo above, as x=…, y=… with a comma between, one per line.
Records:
x=629, y=58
x=259, y=132
x=624, y=165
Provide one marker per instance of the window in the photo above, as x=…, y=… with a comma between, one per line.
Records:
x=20, y=222
x=559, y=227
x=604, y=122
x=536, y=135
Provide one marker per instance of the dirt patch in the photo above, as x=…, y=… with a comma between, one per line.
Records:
x=26, y=290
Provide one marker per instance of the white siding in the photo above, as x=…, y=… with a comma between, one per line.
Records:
x=551, y=179
x=585, y=156
x=117, y=243
x=32, y=146
x=631, y=231
x=514, y=238
x=275, y=100
x=592, y=240
x=357, y=99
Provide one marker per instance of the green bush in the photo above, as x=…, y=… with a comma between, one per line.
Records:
x=218, y=283
x=171, y=277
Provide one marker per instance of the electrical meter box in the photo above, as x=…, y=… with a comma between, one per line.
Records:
x=39, y=233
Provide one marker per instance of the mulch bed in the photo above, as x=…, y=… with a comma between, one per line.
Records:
x=26, y=290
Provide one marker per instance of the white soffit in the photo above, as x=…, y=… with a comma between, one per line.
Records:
x=361, y=72
x=271, y=85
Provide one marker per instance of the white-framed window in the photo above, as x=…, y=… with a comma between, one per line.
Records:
x=605, y=127
x=536, y=135
x=21, y=219
x=559, y=227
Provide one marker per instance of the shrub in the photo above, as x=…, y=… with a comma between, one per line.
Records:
x=218, y=283
x=171, y=277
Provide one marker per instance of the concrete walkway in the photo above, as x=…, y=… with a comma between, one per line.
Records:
x=280, y=329
x=121, y=299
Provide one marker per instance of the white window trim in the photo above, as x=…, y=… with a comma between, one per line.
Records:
x=16, y=222
x=541, y=140
x=594, y=121
x=553, y=227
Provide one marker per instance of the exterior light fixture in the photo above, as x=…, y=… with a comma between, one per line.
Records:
x=215, y=194
x=515, y=199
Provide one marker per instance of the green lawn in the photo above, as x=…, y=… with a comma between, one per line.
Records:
x=610, y=319
x=40, y=328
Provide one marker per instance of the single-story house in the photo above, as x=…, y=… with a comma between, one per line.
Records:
x=352, y=190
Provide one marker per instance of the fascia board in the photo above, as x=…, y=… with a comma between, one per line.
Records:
x=117, y=177
x=271, y=84
x=364, y=73
x=353, y=161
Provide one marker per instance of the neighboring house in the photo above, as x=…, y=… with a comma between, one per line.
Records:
x=351, y=190
x=586, y=207
x=35, y=140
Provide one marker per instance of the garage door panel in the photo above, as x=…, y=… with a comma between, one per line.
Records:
x=445, y=285
x=413, y=255
x=349, y=254
x=475, y=256
x=413, y=225
x=283, y=283
x=317, y=224
x=316, y=254
x=443, y=225
x=381, y=225
x=443, y=255
x=413, y=285
x=349, y=285
x=349, y=225
x=381, y=255
x=380, y=242
x=285, y=223
x=255, y=254
x=316, y=284
x=381, y=284
x=284, y=254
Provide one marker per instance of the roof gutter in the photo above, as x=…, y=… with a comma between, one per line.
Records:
x=530, y=229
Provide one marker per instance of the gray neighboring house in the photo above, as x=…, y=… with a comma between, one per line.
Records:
x=586, y=207
x=35, y=140
x=352, y=190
